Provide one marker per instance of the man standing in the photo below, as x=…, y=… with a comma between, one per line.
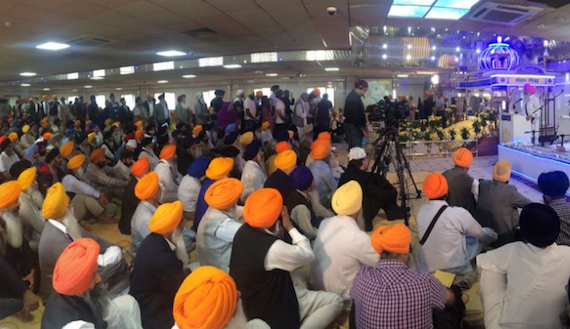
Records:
x=354, y=116
x=323, y=114
x=54, y=109
x=167, y=174
x=201, y=110
x=554, y=186
x=280, y=115
x=250, y=111
x=532, y=107
x=158, y=269
x=113, y=108
x=93, y=109
x=300, y=112
x=182, y=111
x=148, y=192
x=463, y=189
x=161, y=113
x=140, y=112
x=150, y=104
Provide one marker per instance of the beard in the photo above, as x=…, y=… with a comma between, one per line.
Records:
x=72, y=224
x=239, y=320
x=178, y=241
x=99, y=300
x=81, y=173
x=14, y=228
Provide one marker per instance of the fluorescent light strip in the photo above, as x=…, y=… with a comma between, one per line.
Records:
x=232, y=66
x=530, y=76
x=25, y=85
x=332, y=69
x=54, y=46
x=87, y=87
x=272, y=74
x=170, y=53
x=162, y=81
x=97, y=78
x=28, y=74
x=188, y=76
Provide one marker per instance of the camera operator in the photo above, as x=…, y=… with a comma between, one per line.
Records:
x=354, y=117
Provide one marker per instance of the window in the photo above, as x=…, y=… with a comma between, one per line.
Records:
x=101, y=101
x=263, y=57
x=72, y=76
x=163, y=66
x=208, y=96
x=210, y=61
x=329, y=91
x=99, y=73
x=170, y=99
x=130, y=99
x=127, y=70
x=265, y=91
x=71, y=99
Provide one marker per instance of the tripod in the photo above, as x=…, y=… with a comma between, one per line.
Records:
x=387, y=150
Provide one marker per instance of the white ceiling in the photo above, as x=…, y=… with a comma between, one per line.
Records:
x=140, y=28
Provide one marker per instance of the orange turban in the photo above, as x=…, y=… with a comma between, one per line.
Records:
x=97, y=155
x=325, y=135
x=13, y=137
x=76, y=162
x=205, y=300
x=395, y=239
x=9, y=193
x=321, y=150
x=463, y=158
x=263, y=207
x=47, y=136
x=167, y=152
x=27, y=177
x=435, y=186
x=286, y=160
x=197, y=130
x=77, y=123
x=282, y=147
x=219, y=168
x=66, y=149
x=141, y=167
x=166, y=218
x=139, y=134
x=75, y=267
x=56, y=202
x=147, y=186
x=138, y=124
x=224, y=193
x=317, y=92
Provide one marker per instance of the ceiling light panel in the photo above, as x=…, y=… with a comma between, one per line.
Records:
x=163, y=66
x=188, y=76
x=414, y=2
x=446, y=13
x=459, y=4
x=99, y=73
x=127, y=70
x=332, y=69
x=73, y=76
x=54, y=46
x=210, y=61
x=171, y=53
x=28, y=74
x=408, y=11
x=232, y=66
x=162, y=81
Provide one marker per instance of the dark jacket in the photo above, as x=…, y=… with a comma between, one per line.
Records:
x=354, y=110
x=460, y=185
x=130, y=204
x=62, y=310
x=156, y=277
x=279, y=180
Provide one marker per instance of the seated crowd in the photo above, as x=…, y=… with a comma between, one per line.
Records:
x=282, y=230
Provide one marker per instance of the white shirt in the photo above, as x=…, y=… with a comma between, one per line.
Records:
x=523, y=286
x=252, y=178
x=248, y=104
x=125, y=171
x=165, y=176
x=302, y=110
x=152, y=158
x=446, y=248
x=150, y=109
x=139, y=225
x=188, y=192
x=6, y=161
x=532, y=105
x=340, y=249
x=289, y=257
x=74, y=185
x=279, y=107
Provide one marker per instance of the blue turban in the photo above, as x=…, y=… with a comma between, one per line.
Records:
x=251, y=151
x=70, y=132
x=176, y=132
x=540, y=224
x=281, y=135
x=301, y=178
x=554, y=184
x=231, y=138
x=93, y=125
x=231, y=127
x=31, y=150
x=198, y=167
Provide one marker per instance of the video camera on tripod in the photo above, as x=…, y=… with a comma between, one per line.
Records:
x=389, y=112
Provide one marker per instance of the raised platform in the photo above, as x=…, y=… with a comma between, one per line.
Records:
x=530, y=161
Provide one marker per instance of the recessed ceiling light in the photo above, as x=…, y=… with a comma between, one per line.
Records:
x=402, y=75
x=384, y=46
x=457, y=49
x=408, y=57
x=331, y=69
x=87, y=87
x=409, y=46
x=52, y=46
x=28, y=74
x=433, y=48
x=188, y=76
x=232, y=66
x=170, y=53
x=478, y=51
x=384, y=56
x=25, y=85
x=97, y=78
x=118, y=88
x=47, y=89
x=433, y=58
x=272, y=74
x=258, y=72
x=162, y=81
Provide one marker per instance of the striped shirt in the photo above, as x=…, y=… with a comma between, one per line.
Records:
x=562, y=208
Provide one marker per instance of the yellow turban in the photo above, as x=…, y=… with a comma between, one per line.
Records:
x=435, y=186
x=219, y=168
x=90, y=137
x=286, y=160
x=347, y=200
x=66, y=149
x=320, y=150
x=205, y=300
x=224, y=193
x=265, y=125
x=9, y=194
x=463, y=157
x=56, y=202
x=197, y=130
x=97, y=155
x=76, y=162
x=147, y=186
x=25, y=128
x=12, y=137
x=107, y=122
x=502, y=171
x=166, y=218
x=246, y=138
x=395, y=239
x=263, y=208
x=27, y=177
x=77, y=123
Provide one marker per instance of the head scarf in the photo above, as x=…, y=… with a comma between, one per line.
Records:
x=246, y=138
x=347, y=200
x=198, y=167
x=132, y=143
x=97, y=155
x=435, y=186
x=75, y=267
x=529, y=88
x=554, y=184
x=147, y=186
x=263, y=208
x=219, y=168
x=141, y=167
x=47, y=136
x=540, y=224
x=66, y=149
x=321, y=150
x=56, y=202
x=502, y=171
x=395, y=239
x=167, y=152
x=5, y=143
x=251, y=151
x=166, y=218
x=9, y=193
x=356, y=153
x=317, y=92
x=139, y=134
x=463, y=158
x=301, y=178
x=286, y=160
x=205, y=300
x=224, y=193
x=281, y=135
x=200, y=97
x=76, y=162
x=91, y=137
x=231, y=138
x=27, y=177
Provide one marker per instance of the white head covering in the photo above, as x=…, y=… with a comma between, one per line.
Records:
x=356, y=153
x=239, y=92
x=132, y=143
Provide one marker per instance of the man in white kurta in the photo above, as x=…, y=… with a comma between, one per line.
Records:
x=532, y=109
x=523, y=283
x=252, y=176
x=168, y=175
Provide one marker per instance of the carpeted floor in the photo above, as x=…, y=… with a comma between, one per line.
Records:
x=481, y=169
